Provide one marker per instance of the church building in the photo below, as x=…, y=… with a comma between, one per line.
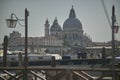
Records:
x=71, y=33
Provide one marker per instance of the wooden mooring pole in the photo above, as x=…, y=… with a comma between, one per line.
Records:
x=5, y=45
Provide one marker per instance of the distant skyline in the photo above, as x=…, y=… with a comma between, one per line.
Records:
x=89, y=12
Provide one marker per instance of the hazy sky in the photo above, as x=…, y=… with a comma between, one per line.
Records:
x=89, y=12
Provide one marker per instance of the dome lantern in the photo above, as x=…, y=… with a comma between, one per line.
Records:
x=72, y=13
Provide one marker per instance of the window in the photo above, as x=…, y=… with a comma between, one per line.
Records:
x=40, y=57
x=12, y=59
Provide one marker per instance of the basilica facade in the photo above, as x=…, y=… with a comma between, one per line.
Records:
x=71, y=33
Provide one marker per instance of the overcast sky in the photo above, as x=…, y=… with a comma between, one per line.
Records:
x=89, y=12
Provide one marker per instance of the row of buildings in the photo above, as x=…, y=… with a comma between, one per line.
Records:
x=56, y=37
x=70, y=38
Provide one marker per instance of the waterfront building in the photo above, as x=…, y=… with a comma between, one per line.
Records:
x=56, y=38
x=16, y=42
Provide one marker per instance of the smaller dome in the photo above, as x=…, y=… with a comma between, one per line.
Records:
x=55, y=27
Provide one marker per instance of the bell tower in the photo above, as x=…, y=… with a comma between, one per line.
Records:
x=47, y=28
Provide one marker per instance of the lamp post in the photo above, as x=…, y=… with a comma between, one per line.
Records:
x=113, y=43
x=11, y=23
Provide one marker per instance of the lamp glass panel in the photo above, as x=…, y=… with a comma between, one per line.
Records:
x=11, y=23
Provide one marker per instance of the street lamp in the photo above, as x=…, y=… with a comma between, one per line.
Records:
x=11, y=23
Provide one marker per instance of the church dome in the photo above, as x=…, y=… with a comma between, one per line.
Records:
x=72, y=23
x=55, y=27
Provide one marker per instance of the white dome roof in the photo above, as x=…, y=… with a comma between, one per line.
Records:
x=72, y=23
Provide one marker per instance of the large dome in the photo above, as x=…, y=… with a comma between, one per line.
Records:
x=72, y=23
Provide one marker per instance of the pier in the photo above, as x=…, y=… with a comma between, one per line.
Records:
x=68, y=71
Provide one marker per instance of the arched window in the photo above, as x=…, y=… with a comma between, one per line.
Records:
x=65, y=36
x=76, y=35
x=73, y=35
